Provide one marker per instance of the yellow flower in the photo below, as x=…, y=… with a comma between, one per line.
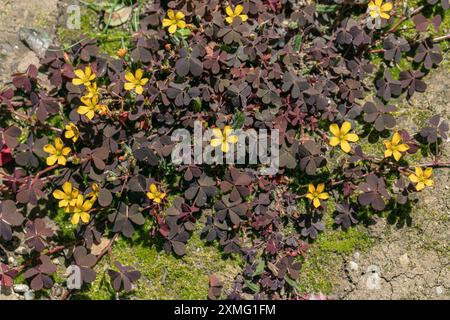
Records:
x=58, y=153
x=394, y=147
x=90, y=107
x=135, y=81
x=223, y=138
x=81, y=210
x=317, y=194
x=92, y=91
x=421, y=178
x=236, y=13
x=94, y=193
x=377, y=9
x=67, y=196
x=72, y=132
x=154, y=194
x=342, y=136
x=83, y=77
x=174, y=21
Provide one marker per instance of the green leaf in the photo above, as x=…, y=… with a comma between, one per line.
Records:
x=259, y=268
x=297, y=42
x=252, y=286
x=290, y=281
x=326, y=8
x=239, y=119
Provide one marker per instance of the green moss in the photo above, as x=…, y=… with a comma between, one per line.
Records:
x=109, y=42
x=165, y=276
x=321, y=269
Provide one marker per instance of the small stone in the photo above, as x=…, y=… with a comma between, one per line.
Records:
x=21, y=250
x=12, y=261
x=352, y=265
x=356, y=255
x=21, y=288
x=404, y=260
x=439, y=290
x=29, y=295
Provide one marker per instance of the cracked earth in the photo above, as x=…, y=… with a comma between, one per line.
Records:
x=411, y=260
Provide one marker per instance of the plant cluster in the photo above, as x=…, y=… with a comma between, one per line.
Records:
x=88, y=136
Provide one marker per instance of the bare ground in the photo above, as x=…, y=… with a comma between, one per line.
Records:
x=409, y=262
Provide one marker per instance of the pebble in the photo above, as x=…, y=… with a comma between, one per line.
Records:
x=404, y=260
x=12, y=261
x=29, y=295
x=21, y=250
x=352, y=265
x=439, y=290
x=356, y=255
x=21, y=288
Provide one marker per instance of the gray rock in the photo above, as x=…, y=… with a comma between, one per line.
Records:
x=21, y=288
x=21, y=250
x=29, y=295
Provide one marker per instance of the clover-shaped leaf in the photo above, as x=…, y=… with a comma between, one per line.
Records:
x=124, y=278
x=125, y=217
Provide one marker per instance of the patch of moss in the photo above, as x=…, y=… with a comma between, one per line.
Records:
x=109, y=41
x=165, y=276
x=321, y=269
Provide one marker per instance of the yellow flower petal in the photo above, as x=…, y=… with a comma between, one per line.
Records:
x=311, y=188
x=386, y=7
x=179, y=15
x=334, y=141
x=334, y=129
x=49, y=149
x=238, y=10
x=153, y=188
x=85, y=217
x=229, y=20
x=225, y=147
x=346, y=127
x=420, y=186
x=397, y=155
x=385, y=15
x=130, y=77
x=77, y=82
x=51, y=160
x=232, y=139
x=67, y=187
x=396, y=138
x=413, y=178
x=75, y=218
x=217, y=133
x=316, y=203
x=309, y=196
x=229, y=11
x=139, y=89
x=378, y=3
x=345, y=146
x=58, y=194
x=139, y=74
x=403, y=147
x=129, y=86
x=388, y=153
x=324, y=196
x=243, y=17
x=418, y=171
x=171, y=14
x=216, y=142
x=428, y=172
x=167, y=22
x=172, y=28
x=62, y=160
x=320, y=187
x=352, y=137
